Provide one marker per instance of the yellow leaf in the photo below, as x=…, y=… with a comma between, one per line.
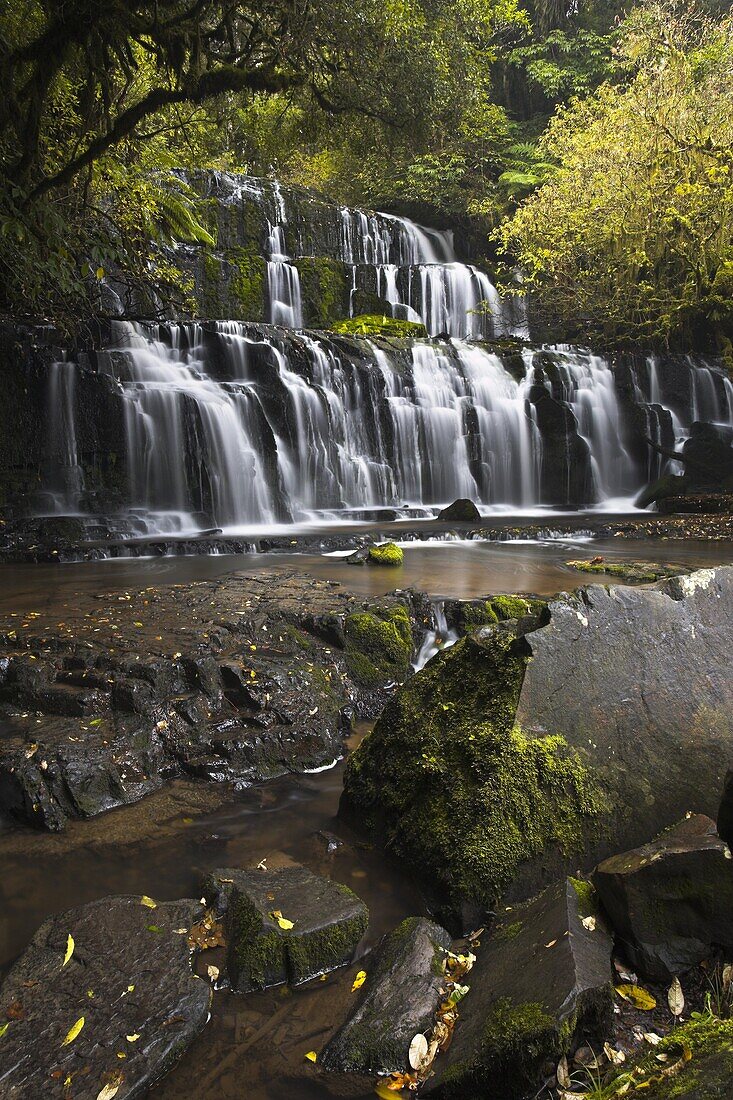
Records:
x=69, y=950
x=121, y=1054
x=109, y=1091
x=637, y=996
x=359, y=980
x=132, y=1038
x=281, y=920
x=73, y=1032
x=100, y=272
x=311, y=1055
x=145, y=900
x=4, y=1028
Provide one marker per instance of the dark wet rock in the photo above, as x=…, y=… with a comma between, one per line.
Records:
x=328, y=922
x=541, y=984
x=268, y=670
x=670, y=901
x=523, y=751
x=460, y=511
x=129, y=975
x=698, y=504
x=399, y=999
x=725, y=810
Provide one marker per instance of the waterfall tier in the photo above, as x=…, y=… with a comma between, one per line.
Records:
x=231, y=425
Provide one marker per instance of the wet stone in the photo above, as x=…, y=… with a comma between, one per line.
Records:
x=399, y=999
x=328, y=921
x=129, y=979
x=541, y=985
x=670, y=901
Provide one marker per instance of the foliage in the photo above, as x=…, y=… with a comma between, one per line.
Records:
x=632, y=235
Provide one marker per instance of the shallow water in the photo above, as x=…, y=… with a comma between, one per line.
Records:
x=459, y=570
x=255, y=1045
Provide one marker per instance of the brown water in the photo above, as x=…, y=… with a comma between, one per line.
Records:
x=459, y=570
x=254, y=1045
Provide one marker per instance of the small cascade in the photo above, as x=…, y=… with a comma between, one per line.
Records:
x=64, y=482
x=283, y=280
x=436, y=640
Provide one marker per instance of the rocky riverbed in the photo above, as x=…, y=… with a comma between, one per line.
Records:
x=557, y=736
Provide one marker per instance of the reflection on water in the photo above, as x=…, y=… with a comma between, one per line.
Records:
x=460, y=570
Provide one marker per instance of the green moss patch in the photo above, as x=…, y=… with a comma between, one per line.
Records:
x=324, y=290
x=451, y=785
x=374, y=324
x=378, y=646
x=705, y=1074
x=387, y=554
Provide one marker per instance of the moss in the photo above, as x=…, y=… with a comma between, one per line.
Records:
x=386, y=554
x=211, y=292
x=256, y=957
x=378, y=645
x=451, y=785
x=324, y=290
x=247, y=285
x=587, y=897
x=706, y=1076
x=508, y=931
x=374, y=324
x=511, y=607
x=640, y=572
x=323, y=949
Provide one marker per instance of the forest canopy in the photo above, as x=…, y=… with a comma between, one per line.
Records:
x=587, y=146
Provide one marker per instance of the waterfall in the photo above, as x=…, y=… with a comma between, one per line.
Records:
x=441, y=637
x=283, y=279
x=64, y=483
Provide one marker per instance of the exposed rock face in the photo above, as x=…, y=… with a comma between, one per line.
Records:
x=328, y=922
x=129, y=979
x=725, y=810
x=511, y=757
x=670, y=901
x=541, y=982
x=264, y=672
x=399, y=999
x=460, y=511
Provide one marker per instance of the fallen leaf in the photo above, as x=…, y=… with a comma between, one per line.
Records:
x=132, y=1038
x=418, y=1050
x=551, y=943
x=652, y=1038
x=311, y=1056
x=359, y=980
x=615, y=1057
x=4, y=1028
x=637, y=996
x=73, y=1032
x=213, y=972
x=281, y=920
x=69, y=950
x=562, y=1074
x=109, y=1091
x=589, y=923
x=676, y=998
x=148, y=902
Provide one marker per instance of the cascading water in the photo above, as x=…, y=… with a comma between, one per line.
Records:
x=65, y=477
x=283, y=280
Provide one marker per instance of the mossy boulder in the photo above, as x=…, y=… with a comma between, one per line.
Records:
x=467, y=615
x=450, y=783
x=378, y=645
x=399, y=998
x=388, y=553
x=699, y=1065
x=328, y=922
x=670, y=901
x=532, y=995
x=374, y=324
x=460, y=511
x=634, y=572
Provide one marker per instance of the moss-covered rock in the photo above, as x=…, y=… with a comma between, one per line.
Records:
x=324, y=290
x=467, y=615
x=387, y=553
x=400, y=996
x=449, y=782
x=375, y=325
x=542, y=981
x=328, y=921
x=378, y=645
x=636, y=572
x=699, y=1065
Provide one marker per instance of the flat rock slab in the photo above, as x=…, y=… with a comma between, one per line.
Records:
x=239, y=679
x=671, y=901
x=399, y=999
x=129, y=979
x=541, y=981
x=328, y=921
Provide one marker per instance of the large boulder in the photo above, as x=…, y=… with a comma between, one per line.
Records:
x=460, y=511
x=285, y=925
x=517, y=753
x=542, y=983
x=670, y=901
x=122, y=1009
x=399, y=999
